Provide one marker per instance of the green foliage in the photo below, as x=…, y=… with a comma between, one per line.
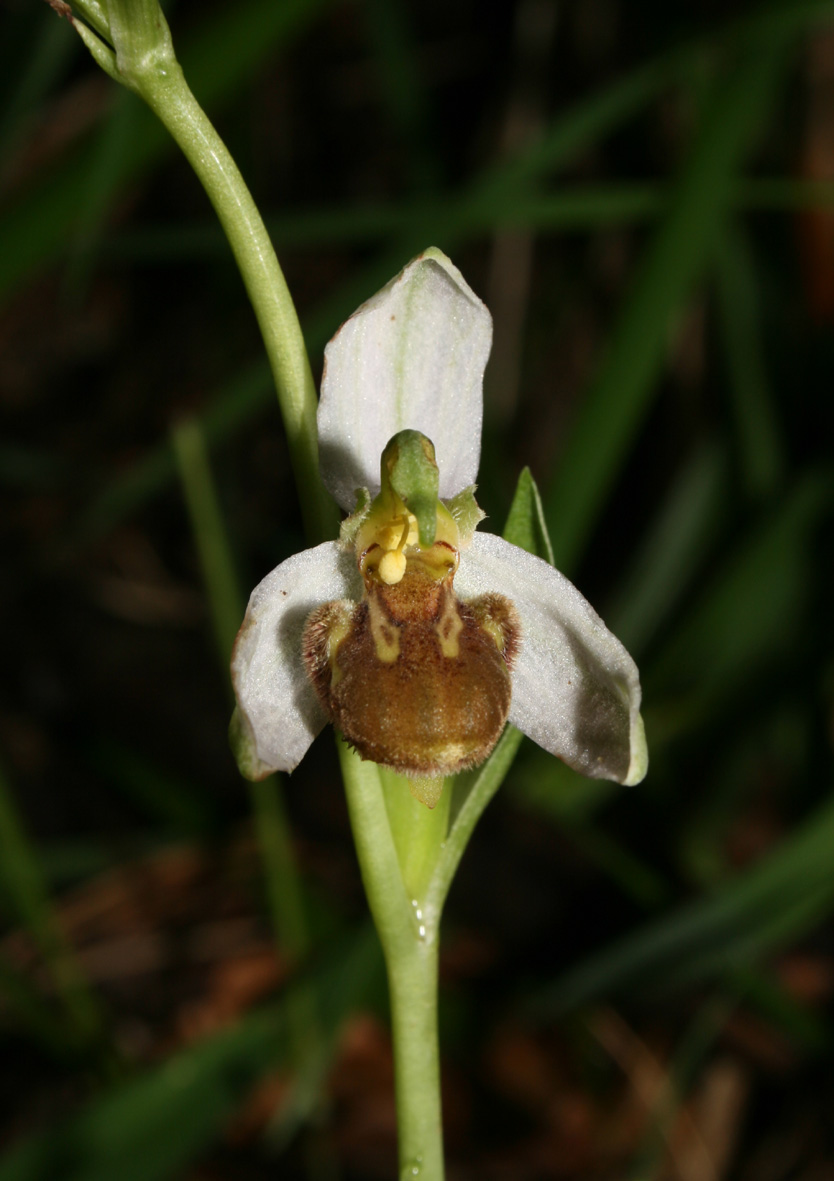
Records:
x=679, y=254
x=719, y=935
x=151, y=1127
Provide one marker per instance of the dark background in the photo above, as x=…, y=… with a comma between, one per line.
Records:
x=637, y=983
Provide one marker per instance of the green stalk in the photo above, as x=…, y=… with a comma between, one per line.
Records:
x=168, y=95
x=145, y=62
x=412, y=981
x=409, y=934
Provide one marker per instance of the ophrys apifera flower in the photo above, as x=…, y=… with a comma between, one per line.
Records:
x=418, y=636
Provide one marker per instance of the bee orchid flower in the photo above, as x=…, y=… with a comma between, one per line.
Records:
x=418, y=636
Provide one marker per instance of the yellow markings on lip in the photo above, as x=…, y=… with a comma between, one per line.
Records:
x=339, y=628
x=415, y=678
x=324, y=633
x=494, y=631
x=385, y=634
x=448, y=628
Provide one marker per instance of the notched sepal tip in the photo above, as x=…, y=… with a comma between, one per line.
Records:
x=639, y=765
x=411, y=357
x=242, y=742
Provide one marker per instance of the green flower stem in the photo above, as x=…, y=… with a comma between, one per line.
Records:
x=409, y=940
x=408, y=855
x=412, y=982
x=145, y=62
x=168, y=95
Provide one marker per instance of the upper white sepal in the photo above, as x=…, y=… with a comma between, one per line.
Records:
x=412, y=357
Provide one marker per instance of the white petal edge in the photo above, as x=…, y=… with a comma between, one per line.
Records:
x=576, y=690
x=278, y=709
x=412, y=357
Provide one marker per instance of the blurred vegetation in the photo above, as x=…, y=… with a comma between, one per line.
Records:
x=637, y=983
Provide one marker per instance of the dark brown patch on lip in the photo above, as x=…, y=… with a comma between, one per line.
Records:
x=422, y=712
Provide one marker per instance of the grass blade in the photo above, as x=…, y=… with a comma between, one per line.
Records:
x=611, y=414
x=151, y=1128
x=28, y=899
x=757, y=430
x=672, y=551
x=761, y=909
x=753, y=610
x=211, y=537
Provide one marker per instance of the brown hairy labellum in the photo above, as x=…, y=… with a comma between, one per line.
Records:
x=414, y=678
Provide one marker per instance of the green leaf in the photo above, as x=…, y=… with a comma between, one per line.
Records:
x=25, y=892
x=403, y=84
x=166, y=799
x=472, y=792
x=211, y=536
x=151, y=1128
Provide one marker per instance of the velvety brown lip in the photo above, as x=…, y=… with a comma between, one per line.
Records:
x=414, y=678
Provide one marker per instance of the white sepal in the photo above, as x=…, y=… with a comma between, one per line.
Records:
x=279, y=712
x=576, y=691
x=413, y=357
